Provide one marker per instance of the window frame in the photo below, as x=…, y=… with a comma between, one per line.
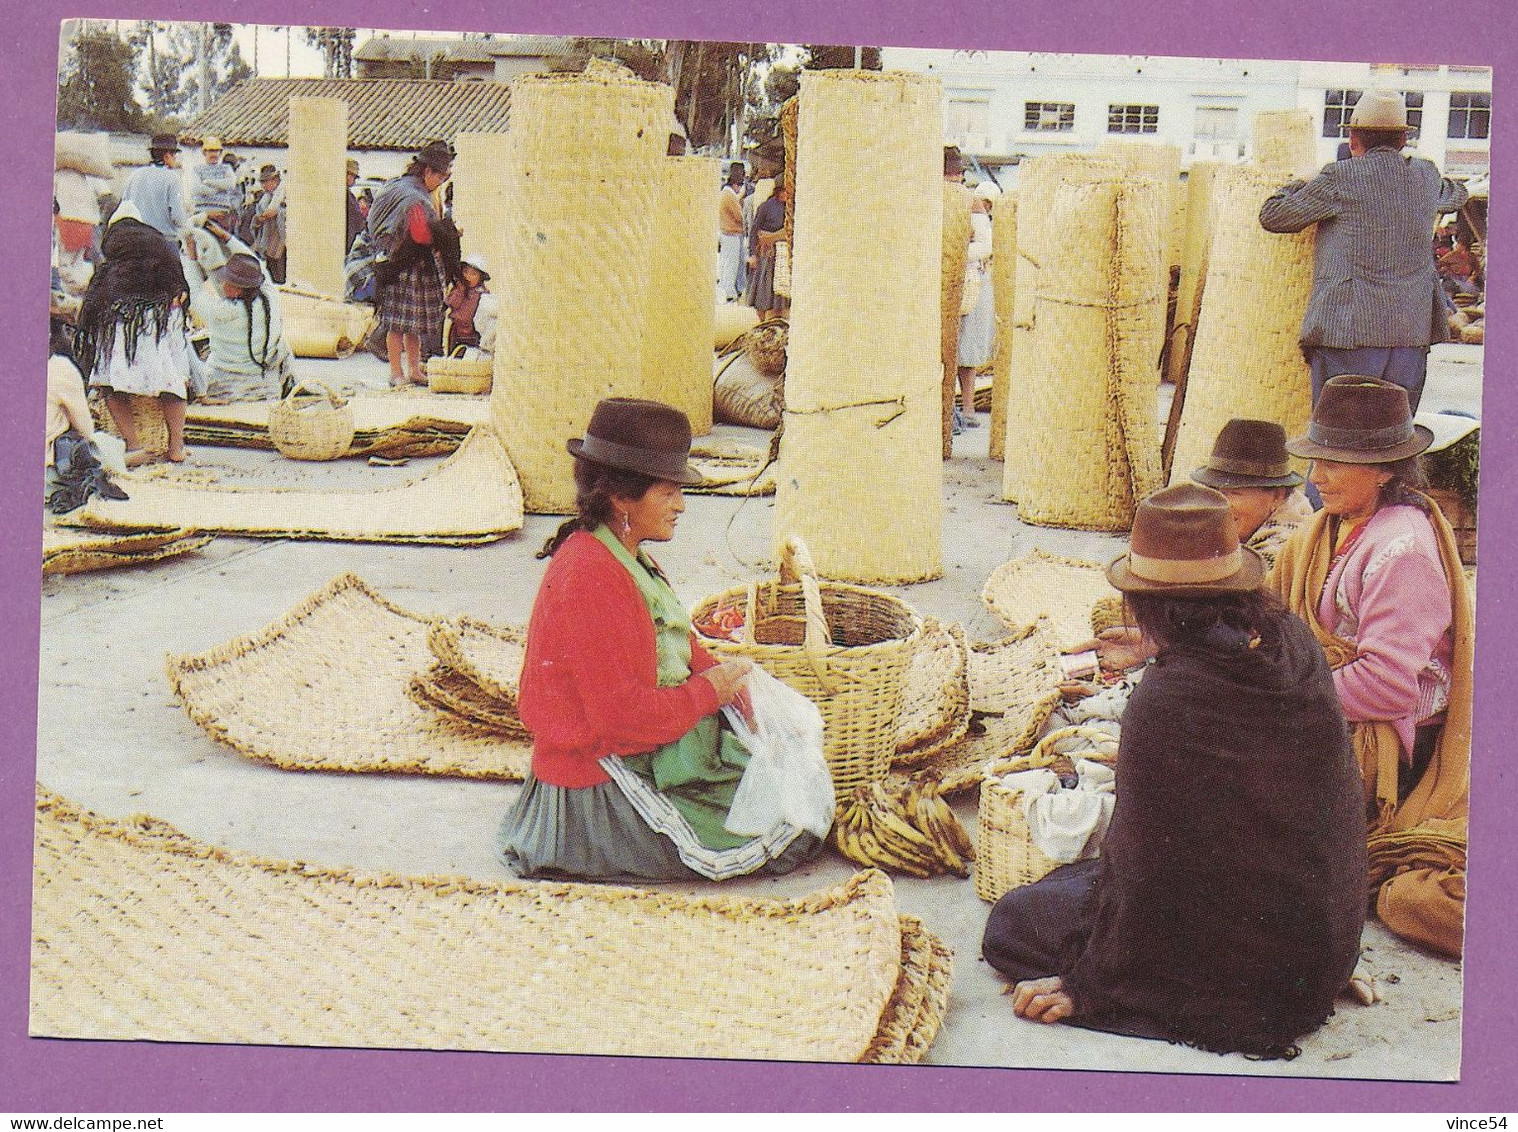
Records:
x=1064, y=111
x=1121, y=116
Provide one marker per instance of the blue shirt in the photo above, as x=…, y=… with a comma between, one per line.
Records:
x=158, y=193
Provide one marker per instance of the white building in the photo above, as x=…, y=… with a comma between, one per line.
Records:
x=1000, y=106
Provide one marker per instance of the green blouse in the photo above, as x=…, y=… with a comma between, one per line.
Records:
x=699, y=772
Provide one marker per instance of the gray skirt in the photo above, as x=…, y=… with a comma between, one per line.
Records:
x=594, y=833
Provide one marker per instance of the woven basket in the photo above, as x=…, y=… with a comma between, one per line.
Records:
x=765, y=346
x=1005, y=856
x=781, y=284
x=147, y=419
x=313, y=427
x=458, y=374
x=846, y=648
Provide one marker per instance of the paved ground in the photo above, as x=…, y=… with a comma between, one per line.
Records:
x=112, y=737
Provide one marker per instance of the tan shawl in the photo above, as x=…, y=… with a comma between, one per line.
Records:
x=1417, y=848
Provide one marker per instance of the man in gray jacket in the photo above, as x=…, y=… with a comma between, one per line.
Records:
x=1375, y=306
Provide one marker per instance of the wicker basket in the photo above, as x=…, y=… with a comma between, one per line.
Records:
x=846, y=648
x=1005, y=856
x=318, y=426
x=458, y=374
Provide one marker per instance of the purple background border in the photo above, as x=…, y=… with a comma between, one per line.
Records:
x=44, y=1075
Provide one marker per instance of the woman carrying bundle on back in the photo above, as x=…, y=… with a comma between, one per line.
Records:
x=632, y=771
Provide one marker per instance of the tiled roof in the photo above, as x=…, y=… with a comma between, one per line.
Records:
x=382, y=113
x=383, y=48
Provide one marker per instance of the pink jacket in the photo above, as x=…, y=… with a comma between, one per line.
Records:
x=1390, y=596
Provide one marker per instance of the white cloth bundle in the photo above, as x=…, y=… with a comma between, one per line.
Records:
x=1066, y=825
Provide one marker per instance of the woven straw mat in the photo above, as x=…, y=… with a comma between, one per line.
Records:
x=316, y=215
x=861, y=446
x=730, y=468
x=677, y=356
x=141, y=933
x=1285, y=142
x=935, y=712
x=1195, y=244
x=470, y=498
x=68, y=551
x=1246, y=361
x=488, y=656
x=326, y=688
x=1003, y=298
x=1039, y=584
x=463, y=706
x=1013, y=686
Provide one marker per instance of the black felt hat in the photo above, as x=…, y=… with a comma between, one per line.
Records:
x=638, y=436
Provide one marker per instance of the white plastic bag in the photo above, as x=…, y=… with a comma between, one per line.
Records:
x=787, y=778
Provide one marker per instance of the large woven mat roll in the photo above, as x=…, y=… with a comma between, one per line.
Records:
x=325, y=688
x=1094, y=447
x=580, y=193
x=322, y=325
x=861, y=450
x=1040, y=178
x=1286, y=142
x=1246, y=362
x=315, y=195
x=478, y=204
x=141, y=933
x=1003, y=292
x=956, y=247
x=1163, y=163
x=1194, y=247
x=731, y=322
x=67, y=551
x=470, y=498
x=677, y=356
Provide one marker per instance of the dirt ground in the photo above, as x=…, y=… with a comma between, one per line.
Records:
x=144, y=755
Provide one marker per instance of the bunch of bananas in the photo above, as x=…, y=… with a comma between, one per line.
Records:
x=911, y=830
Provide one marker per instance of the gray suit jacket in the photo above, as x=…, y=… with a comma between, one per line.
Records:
x=1373, y=278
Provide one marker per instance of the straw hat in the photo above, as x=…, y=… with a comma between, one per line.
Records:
x=210, y=145
x=1361, y=420
x=638, y=436
x=1379, y=110
x=477, y=261
x=1184, y=542
x=243, y=270
x=1248, y=454
x=353, y=166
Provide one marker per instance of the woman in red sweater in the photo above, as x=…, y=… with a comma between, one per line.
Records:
x=632, y=772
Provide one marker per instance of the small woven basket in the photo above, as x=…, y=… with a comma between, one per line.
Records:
x=846, y=648
x=309, y=425
x=781, y=284
x=1005, y=856
x=458, y=374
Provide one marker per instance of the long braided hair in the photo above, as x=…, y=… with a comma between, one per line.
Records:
x=595, y=485
x=249, y=296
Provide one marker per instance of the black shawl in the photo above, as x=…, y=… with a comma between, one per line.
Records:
x=1232, y=889
x=134, y=292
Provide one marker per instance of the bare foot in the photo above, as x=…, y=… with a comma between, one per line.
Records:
x=184, y=454
x=137, y=457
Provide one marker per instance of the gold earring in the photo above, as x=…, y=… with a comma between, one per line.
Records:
x=626, y=525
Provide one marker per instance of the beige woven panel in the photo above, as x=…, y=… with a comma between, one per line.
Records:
x=861, y=474
x=1194, y=248
x=790, y=118
x=315, y=193
x=1093, y=449
x=730, y=322
x=68, y=551
x=936, y=709
x=140, y=933
x=470, y=498
x=1038, y=585
x=677, y=356
x=1246, y=362
x=325, y=688
x=321, y=325
x=1003, y=291
x=956, y=247
x=1037, y=184
x=581, y=192
x=478, y=197
x=1163, y=163
x=1286, y=142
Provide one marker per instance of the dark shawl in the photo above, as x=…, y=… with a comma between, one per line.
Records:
x=133, y=292
x=1232, y=891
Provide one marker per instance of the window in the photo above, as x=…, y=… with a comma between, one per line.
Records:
x=1338, y=105
x=1414, y=100
x=1133, y=119
x=1048, y=115
x=968, y=118
x=1470, y=114
x=1217, y=123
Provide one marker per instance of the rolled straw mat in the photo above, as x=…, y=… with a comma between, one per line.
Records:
x=1040, y=584
x=326, y=687
x=472, y=497
x=936, y=711
x=67, y=551
x=488, y=656
x=141, y=933
x=463, y=706
x=730, y=468
x=384, y=425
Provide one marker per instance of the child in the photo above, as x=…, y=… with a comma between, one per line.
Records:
x=470, y=305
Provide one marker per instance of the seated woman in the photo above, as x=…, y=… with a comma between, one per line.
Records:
x=1226, y=908
x=249, y=359
x=1377, y=576
x=632, y=772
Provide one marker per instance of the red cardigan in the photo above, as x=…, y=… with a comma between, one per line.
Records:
x=590, y=681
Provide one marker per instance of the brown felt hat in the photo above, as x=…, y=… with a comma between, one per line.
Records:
x=242, y=270
x=638, y=436
x=1184, y=542
x=1361, y=420
x=166, y=143
x=1248, y=454
x=953, y=161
